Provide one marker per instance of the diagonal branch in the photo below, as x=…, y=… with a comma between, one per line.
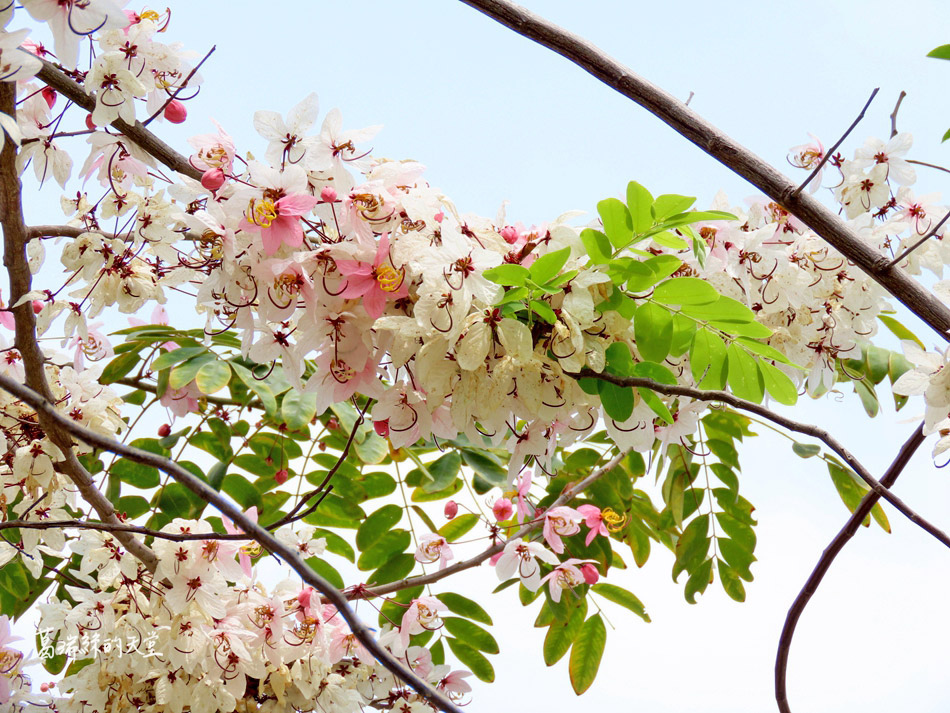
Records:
x=289, y=554
x=145, y=139
x=724, y=149
x=121, y=527
x=803, y=428
x=826, y=560
x=18, y=270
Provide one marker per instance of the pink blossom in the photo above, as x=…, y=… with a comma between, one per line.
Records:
x=434, y=548
x=593, y=518
x=558, y=522
x=244, y=554
x=182, y=401
x=503, y=509
x=377, y=283
x=278, y=220
x=566, y=575
x=454, y=683
x=525, y=509
x=422, y=615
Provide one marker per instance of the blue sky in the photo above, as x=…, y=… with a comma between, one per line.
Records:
x=496, y=117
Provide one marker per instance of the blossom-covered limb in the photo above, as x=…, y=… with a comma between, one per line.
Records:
x=565, y=497
x=17, y=264
x=119, y=527
x=803, y=428
x=145, y=139
x=828, y=557
x=724, y=149
x=268, y=541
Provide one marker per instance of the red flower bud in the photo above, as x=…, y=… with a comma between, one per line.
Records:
x=176, y=112
x=451, y=509
x=49, y=95
x=591, y=575
x=213, y=179
x=333, y=424
x=37, y=306
x=328, y=194
x=381, y=428
x=281, y=476
x=89, y=124
x=164, y=430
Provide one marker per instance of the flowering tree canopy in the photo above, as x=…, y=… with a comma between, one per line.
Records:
x=380, y=389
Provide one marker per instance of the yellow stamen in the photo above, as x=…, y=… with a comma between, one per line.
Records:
x=613, y=521
x=262, y=213
x=149, y=15
x=389, y=280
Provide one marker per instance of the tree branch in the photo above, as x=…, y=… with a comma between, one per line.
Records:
x=803, y=428
x=18, y=270
x=145, y=139
x=826, y=560
x=721, y=147
x=277, y=548
x=121, y=527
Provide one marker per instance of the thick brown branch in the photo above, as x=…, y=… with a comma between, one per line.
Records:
x=257, y=532
x=803, y=428
x=731, y=154
x=144, y=138
x=826, y=560
x=18, y=270
x=121, y=527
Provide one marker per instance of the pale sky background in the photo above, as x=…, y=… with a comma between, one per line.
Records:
x=496, y=117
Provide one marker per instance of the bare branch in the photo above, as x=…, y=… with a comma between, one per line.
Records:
x=731, y=154
x=145, y=139
x=18, y=270
x=277, y=548
x=803, y=428
x=897, y=108
x=826, y=560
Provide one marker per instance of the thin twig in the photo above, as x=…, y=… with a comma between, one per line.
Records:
x=929, y=165
x=897, y=107
x=826, y=560
x=270, y=543
x=724, y=149
x=120, y=527
x=174, y=95
x=831, y=152
x=920, y=242
x=803, y=428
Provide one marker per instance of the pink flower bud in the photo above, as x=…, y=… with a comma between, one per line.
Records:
x=591, y=575
x=176, y=112
x=49, y=95
x=328, y=194
x=381, y=428
x=213, y=179
x=439, y=216
x=303, y=599
x=451, y=509
x=164, y=430
x=503, y=509
x=281, y=476
x=37, y=306
x=89, y=124
x=510, y=234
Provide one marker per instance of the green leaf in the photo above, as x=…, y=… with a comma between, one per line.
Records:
x=213, y=376
x=335, y=511
x=670, y=204
x=806, y=450
x=745, y=379
x=731, y=582
x=684, y=329
x=385, y=548
x=444, y=471
x=653, y=327
x=640, y=207
x=852, y=490
x=376, y=525
x=472, y=634
x=548, y=266
x=489, y=473
x=374, y=449
x=327, y=571
x=14, y=578
x=779, y=386
x=698, y=581
x=397, y=568
x=586, y=653
x=458, y=526
x=259, y=388
x=616, y=400
x=135, y=474
x=899, y=330
x=176, y=356
x=617, y=222
x=669, y=240
x=725, y=309
x=185, y=373
x=623, y=597
x=474, y=660
x=654, y=402
x=464, y=606
x=507, y=275
x=563, y=632
x=543, y=310
x=297, y=409
x=692, y=546
x=739, y=558
x=597, y=246
x=685, y=291
x=941, y=52
x=132, y=505
x=763, y=349
x=657, y=372
x=244, y=494
x=175, y=500
x=946, y=136
x=708, y=360
x=119, y=367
